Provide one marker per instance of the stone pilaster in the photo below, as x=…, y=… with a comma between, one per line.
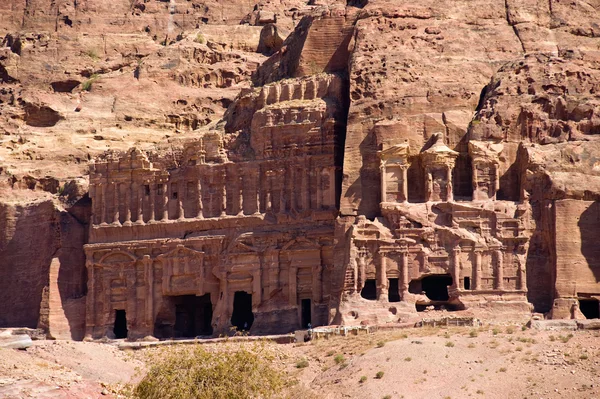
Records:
x=140, y=204
x=499, y=258
x=455, y=267
x=477, y=254
x=116, y=216
x=165, y=198
x=200, y=207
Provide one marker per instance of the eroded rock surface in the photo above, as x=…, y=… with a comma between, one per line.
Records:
x=267, y=165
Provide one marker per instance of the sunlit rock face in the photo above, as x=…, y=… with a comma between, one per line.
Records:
x=268, y=165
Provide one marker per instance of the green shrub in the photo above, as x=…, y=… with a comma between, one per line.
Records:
x=380, y=344
x=339, y=359
x=92, y=54
x=379, y=375
x=363, y=379
x=302, y=364
x=200, y=38
x=185, y=372
x=87, y=85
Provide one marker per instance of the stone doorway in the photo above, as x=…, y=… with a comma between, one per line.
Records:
x=306, y=312
x=435, y=287
x=120, y=326
x=467, y=283
x=393, y=293
x=590, y=307
x=242, y=316
x=193, y=316
x=369, y=290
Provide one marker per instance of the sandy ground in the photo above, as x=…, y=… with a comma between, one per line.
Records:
x=493, y=361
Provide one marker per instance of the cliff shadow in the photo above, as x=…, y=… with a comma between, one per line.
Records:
x=72, y=275
x=589, y=228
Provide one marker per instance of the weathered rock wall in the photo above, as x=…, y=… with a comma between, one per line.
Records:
x=28, y=244
x=36, y=234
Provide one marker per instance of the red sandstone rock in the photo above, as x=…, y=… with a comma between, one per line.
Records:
x=387, y=157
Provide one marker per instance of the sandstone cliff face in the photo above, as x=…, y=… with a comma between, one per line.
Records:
x=36, y=233
x=511, y=86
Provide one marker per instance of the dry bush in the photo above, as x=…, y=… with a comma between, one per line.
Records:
x=194, y=372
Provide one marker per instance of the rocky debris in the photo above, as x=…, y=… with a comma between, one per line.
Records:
x=9, y=340
x=551, y=325
x=588, y=324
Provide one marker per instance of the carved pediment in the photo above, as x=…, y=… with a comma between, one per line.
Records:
x=181, y=251
x=300, y=244
x=396, y=154
x=117, y=256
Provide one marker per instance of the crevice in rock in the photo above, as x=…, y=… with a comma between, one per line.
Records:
x=513, y=25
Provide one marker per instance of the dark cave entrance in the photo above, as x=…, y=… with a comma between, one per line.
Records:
x=467, y=283
x=193, y=316
x=435, y=287
x=369, y=291
x=242, y=316
x=306, y=312
x=393, y=293
x=590, y=308
x=120, y=326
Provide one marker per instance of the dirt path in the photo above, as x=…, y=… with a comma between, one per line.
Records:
x=487, y=362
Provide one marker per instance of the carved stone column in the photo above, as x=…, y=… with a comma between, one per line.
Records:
x=241, y=194
x=149, y=277
x=223, y=193
x=152, y=200
x=165, y=194
x=521, y=273
x=257, y=187
x=499, y=257
x=282, y=180
x=180, y=196
x=257, y=288
x=224, y=288
x=405, y=183
x=103, y=204
x=95, y=203
x=317, y=283
x=128, y=205
x=456, y=267
x=382, y=286
x=90, y=303
x=404, y=267
x=477, y=269
x=200, y=214
x=269, y=192
x=449, y=194
x=362, y=272
x=474, y=180
x=383, y=171
x=116, y=221
x=140, y=204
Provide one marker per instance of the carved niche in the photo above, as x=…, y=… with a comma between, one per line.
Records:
x=394, y=167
